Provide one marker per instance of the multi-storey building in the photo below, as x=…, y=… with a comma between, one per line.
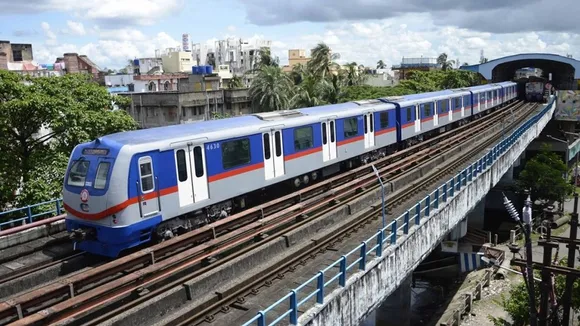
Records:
x=410, y=64
x=296, y=57
x=186, y=105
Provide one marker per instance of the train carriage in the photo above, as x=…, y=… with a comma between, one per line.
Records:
x=124, y=189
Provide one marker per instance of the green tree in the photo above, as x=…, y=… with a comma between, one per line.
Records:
x=444, y=63
x=41, y=120
x=543, y=176
x=517, y=306
x=381, y=64
x=235, y=82
x=322, y=62
x=309, y=92
x=271, y=89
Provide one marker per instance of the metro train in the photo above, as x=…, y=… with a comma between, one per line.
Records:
x=126, y=189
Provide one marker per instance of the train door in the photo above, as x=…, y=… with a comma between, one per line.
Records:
x=273, y=154
x=462, y=106
x=417, y=119
x=328, y=132
x=191, y=175
x=369, y=130
x=147, y=184
x=450, y=108
x=435, y=114
x=184, y=185
x=198, y=173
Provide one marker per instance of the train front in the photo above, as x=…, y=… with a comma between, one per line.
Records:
x=90, y=197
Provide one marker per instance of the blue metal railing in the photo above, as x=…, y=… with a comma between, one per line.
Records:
x=31, y=213
x=388, y=234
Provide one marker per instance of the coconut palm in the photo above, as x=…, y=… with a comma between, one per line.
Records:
x=444, y=63
x=309, y=92
x=270, y=89
x=322, y=60
x=235, y=82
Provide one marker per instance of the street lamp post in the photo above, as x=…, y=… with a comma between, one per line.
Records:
x=526, y=229
x=382, y=192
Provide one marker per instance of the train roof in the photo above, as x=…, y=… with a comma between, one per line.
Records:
x=480, y=88
x=142, y=136
x=255, y=121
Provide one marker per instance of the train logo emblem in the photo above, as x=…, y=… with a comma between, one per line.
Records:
x=84, y=195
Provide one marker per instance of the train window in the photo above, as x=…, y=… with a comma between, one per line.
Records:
x=409, y=114
x=278, y=141
x=198, y=160
x=444, y=106
x=102, y=175
x=427, y=109
x=384, y=120
x=303, y=138
x=181, y=165
x=267, y=151
x=350, y=127
x=78, y=173
x=235, y=153
x=146, y=174
x=372, y=117
x=332, y=131
x=324, y=138
x=457, y=103
x=365, y=123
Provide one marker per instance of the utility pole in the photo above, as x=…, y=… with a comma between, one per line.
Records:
x=567, y=297
x=548, y=270
x=528, y=274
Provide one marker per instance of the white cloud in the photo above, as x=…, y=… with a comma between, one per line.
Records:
x=111, y=51
x=76, y=28
x=112, y=12
x=50, y=35
x=412, y=35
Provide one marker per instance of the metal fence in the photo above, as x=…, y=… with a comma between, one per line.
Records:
x=357, y=257
x=31, y=213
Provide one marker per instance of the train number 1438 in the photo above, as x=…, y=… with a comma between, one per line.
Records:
x=209, y=147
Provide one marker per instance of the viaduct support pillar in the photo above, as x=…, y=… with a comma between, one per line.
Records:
x=396, y=309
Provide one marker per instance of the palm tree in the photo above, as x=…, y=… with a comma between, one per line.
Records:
x=322, y=60
x=235, y=82
x=381, y=65
x=265, y=58
x=270, y=89
x=309, y=92
x=444, y=63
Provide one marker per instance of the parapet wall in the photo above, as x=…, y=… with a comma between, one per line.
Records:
x=364, y=291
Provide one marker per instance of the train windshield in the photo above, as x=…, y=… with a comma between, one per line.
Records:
x=78, y=173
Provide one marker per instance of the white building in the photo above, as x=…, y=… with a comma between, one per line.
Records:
x=239, y=55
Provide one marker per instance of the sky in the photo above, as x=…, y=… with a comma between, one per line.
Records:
x=110, y=32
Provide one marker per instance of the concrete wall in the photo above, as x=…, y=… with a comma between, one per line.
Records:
x=364, y=291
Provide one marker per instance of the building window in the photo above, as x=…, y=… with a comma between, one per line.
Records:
x=350, y=127
x=303, y=138
x=235, y=153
